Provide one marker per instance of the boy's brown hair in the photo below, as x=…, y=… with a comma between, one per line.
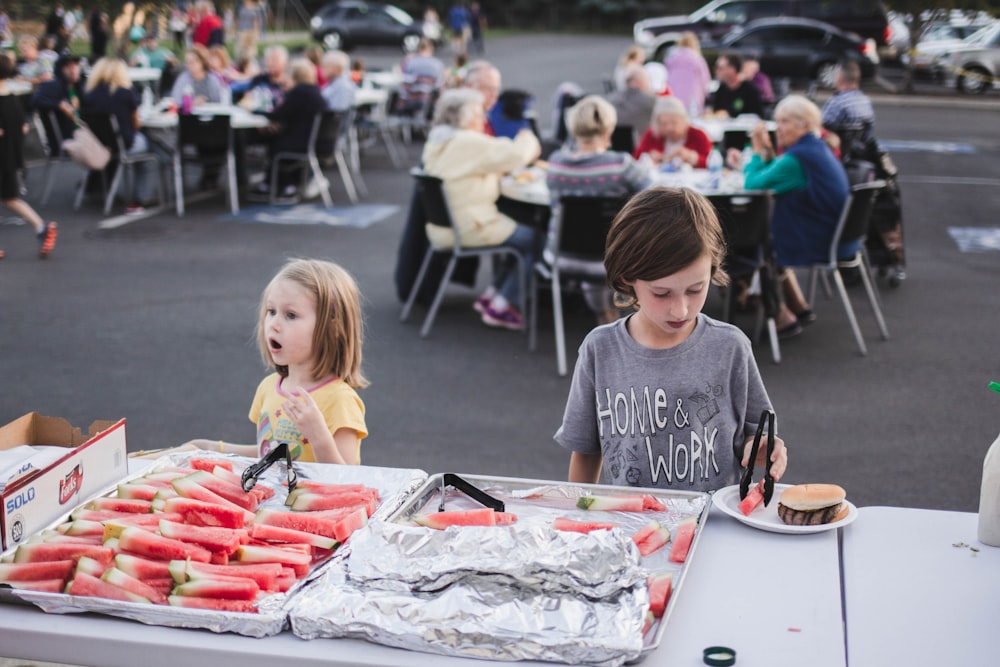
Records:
x=338, y=333
x=659, y=232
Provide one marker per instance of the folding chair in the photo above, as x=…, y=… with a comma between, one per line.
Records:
x=438, y=213
x=105, y=127
x=745, y=218
x=852, y=226
x=623, y=139
x=326, y=132
x=581, y=227
x=207, y=139
x=49, y=134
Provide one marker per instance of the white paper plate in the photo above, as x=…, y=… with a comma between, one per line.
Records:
x=766, y=518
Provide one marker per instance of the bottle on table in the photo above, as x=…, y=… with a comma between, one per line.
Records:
x=187, y=100
x=989, y=497
x=714, y=164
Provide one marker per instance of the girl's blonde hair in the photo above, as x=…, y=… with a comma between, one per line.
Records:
x=110, y=71
x=593, y=116
x=339, y=326
x=659, y=232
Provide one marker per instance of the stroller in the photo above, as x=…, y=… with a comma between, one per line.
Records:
x=865, y=160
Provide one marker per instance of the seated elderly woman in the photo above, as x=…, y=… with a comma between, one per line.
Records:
x=197, y=79
x=471, y=163
x=292, y=121
x=811, y=189
x=591, y=170
x=672, y=138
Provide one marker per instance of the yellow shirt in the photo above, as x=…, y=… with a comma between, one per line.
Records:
x=340, y=404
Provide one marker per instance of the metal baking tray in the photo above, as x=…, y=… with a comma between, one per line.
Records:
x=394, y=485
x=529, y=497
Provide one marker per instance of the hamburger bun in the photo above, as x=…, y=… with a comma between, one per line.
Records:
x=812, y=504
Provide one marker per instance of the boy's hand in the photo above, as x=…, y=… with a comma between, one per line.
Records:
x=779, y=458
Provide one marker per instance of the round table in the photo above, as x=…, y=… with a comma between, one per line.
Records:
x=241, y=119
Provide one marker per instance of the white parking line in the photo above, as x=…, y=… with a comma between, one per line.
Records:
x=949, y=180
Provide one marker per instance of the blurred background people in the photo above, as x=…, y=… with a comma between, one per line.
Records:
x=339, y=90
x=734, y=96
x=689, y=75
x=672, y=139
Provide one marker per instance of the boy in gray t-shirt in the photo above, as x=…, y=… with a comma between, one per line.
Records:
x=667, y=397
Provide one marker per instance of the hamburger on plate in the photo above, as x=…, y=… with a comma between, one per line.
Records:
x=812, y=504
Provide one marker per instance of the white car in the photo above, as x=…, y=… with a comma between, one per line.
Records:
x=941, y=38
x=974, y=67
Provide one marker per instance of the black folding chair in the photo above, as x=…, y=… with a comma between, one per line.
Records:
x=852, y=226
x=207, y=139
x=435, y=203
x=623, y=139
x=105, y=127
x=745, y=218
x=580, y=229
x=327, y=137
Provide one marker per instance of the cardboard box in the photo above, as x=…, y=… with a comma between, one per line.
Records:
x=94, y=460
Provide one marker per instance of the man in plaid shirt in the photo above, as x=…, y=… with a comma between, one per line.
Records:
x=849, y=108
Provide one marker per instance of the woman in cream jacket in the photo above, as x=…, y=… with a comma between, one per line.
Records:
x=471, y=163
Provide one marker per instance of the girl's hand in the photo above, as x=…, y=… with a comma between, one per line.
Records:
x=779, y=458
x=201, y=443
x=301, y=408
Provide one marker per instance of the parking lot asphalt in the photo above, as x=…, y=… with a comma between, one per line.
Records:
x=153, y=321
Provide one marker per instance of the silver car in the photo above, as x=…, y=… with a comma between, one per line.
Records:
x=974, y=67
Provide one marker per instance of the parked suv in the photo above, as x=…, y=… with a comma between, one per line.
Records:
x=350, y=23
x=863, y=17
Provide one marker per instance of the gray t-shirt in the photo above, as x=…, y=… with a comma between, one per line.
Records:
x=674, y=418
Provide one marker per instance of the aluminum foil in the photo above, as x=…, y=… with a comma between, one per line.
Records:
x=476, y=618
x=395, y=485
x=397, y=557
x=517, y=592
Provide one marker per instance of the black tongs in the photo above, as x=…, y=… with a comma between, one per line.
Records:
x=747, y=480
x=254, y=471
x=477, y=494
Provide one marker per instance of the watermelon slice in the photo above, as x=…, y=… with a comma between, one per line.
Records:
x=34, y=553
x=261, y=491
x=41, y=585
x=58, y=569
x=255, y=553
x=753, y=500
x=659, y=592
x=244, y=606
x=164, y=585
x=223, y=588
x=55, y=537
x=612, y=503
x=234, y=493
x=81, y=527
x=126, y=581
x=120, y=505
x=143, y=569
x=653, y=504
x=98, y=515
x=91, y=566
x=201, y=513
x=506, y=518
x=562, y=523
x=306, y=501
x=136, y=491
x=212, y=538
x=209, y=465
x=87, y=585
x=648, y=622
x=306, y=522
x=157, y=547
x=265, y=533
x=441, y=520
x=189, y=488
x=343, y=528
x=651, y=537
x=682, y=539
x=265, y=574
x=315, y=486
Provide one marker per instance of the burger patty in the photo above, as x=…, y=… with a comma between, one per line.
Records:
x=805, y=518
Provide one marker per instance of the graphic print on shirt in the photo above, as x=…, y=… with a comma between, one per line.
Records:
x=284, y=430
x=657, y=439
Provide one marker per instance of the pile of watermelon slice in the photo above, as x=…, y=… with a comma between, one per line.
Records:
x=191, y=537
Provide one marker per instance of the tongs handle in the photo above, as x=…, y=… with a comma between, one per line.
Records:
x=255, y=470
x=767, y=416
x=477, y=494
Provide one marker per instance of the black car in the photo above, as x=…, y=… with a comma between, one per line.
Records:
x=344, y=25
x=799, y=49
x=867, y=18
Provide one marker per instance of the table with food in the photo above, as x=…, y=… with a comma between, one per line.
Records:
x=252, y=562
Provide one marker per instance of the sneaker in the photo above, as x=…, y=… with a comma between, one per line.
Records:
x=507, y=318
x=481, y=304
x=288, y=191
x=135, y=209
x=47, y=237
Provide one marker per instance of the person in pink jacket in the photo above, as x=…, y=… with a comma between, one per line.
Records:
x=689, y=75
